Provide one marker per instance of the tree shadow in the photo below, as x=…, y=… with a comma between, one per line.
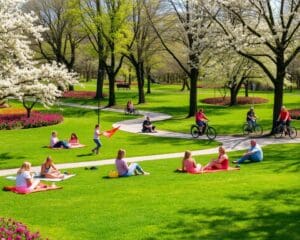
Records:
x=260, y=221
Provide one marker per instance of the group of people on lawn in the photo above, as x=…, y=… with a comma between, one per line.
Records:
x=26, y=182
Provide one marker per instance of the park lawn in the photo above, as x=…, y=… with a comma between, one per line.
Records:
x=226, y=120
x=261, y=201
x=32, y=144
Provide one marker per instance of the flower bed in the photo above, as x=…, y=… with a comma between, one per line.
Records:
x=240, y=100
x=11, y=229
x=18, y=119
x=295, y=113
x=80, y=94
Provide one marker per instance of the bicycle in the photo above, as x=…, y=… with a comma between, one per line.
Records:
x=210, y=132
x=254, y=129
x=282, y=129
x=133, y=112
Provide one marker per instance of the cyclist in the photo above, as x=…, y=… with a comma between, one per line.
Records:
x=284, y=117
x=201, y=119
x=251, y=118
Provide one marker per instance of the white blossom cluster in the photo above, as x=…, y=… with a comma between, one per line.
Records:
x=20, y=75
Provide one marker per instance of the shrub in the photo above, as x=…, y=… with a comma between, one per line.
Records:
x=295, y=113
x=11, y=229
x=240, y=100
x=79, y=94
x=10, y=121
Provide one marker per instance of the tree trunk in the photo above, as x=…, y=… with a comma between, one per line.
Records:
x=139, y=68
x=185, y=83
x=246, y=84
x=112, y=96
x=233, y=97
x=100, y=79
x=193, y=92
x=278, y=99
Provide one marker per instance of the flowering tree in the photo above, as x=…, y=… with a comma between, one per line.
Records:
x=264, y=31
x=20, y=75
x=191, y=27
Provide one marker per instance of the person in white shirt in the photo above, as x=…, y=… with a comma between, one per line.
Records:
x=97, y=133
x=24, y=181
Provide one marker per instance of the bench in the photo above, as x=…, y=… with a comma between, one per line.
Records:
x=123, y=85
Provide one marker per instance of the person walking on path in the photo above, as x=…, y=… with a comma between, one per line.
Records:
x=97, y=134
x=254, y=154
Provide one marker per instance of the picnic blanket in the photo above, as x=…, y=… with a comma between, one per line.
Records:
x=210, y=171
x=66, y=176
x=41, y=188
x=71, y=146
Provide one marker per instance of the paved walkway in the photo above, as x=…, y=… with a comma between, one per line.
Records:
x=231, y=143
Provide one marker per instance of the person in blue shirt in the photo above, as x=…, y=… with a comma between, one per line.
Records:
x=254, y=154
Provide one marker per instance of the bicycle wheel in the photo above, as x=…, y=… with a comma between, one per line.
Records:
x=246, y=129
x=195, y=131
x=258, y=130
x=278, y=132
x=292, y=132
x=211, y=133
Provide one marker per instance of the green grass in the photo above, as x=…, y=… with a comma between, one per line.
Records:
x=226, y=120
x=261, y=201
x=31, y=144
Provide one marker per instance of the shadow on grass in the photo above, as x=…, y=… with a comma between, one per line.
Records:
x=261, y=221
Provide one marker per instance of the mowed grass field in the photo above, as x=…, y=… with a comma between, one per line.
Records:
x=260, y=201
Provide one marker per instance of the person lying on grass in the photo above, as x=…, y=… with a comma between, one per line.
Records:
x=124, y=170
x=24, y=180
x=221, y=162
x=189, y=164
x=48, y=169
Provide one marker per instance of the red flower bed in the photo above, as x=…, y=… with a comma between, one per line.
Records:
x=11, y=229
x=295, y=113
x=241, y=100
x=80, y=94
x=20, y=120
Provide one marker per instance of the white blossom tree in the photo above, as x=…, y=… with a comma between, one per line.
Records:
x=20, y=75
x=264, y=31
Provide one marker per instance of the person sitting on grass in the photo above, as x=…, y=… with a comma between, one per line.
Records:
x=130, y=107
x=73, y=139
x=221, y=162
x=201, y=119
x=254, y=154
x=24, y=181
x=147, y=126
x=189, y=164
x=56, y=143
x=124, y=170
x=48, y=169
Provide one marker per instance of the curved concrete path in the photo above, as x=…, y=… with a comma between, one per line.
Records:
x=231, y=143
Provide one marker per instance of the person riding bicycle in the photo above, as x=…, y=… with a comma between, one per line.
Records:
x=201, y=119
x=251, y=118
x=284, y=117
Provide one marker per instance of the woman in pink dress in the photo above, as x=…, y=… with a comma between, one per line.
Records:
x=189, y=164
x=221, y=163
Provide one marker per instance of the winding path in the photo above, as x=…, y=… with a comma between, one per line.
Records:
x=231, y=143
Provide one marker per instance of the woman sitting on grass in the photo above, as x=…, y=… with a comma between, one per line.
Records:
x=124, y=170
x=221, y=163
x=73, y=139
x=24, y=181
x=56, y=143
x=48, y=169
x=189, y=164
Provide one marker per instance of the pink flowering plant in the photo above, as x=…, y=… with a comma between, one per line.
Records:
x=79, y=94
x=14, y=230
x=20, y=120
x=295, y=113
x=241, y=100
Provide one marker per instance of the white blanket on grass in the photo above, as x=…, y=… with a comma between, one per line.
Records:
x=66, y=176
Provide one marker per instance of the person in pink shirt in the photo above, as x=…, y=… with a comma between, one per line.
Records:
x=125, y=170
x=73, y=139
x=221, y=162
x=200, y=118
x=189, y=164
